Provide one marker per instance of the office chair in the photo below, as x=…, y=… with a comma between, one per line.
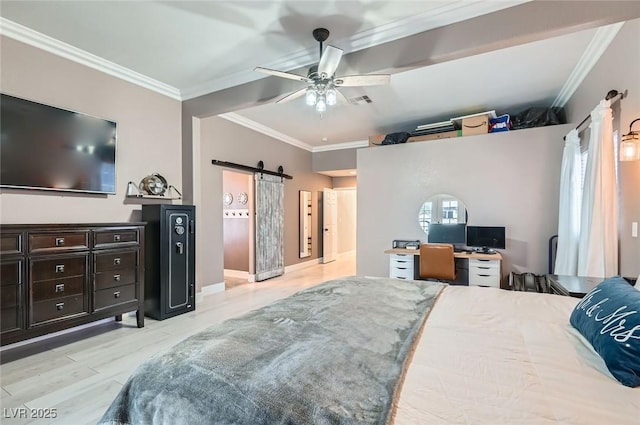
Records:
x=437, y=262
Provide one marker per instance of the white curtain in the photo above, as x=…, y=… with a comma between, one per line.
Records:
x=570, y=206
x=598, y=246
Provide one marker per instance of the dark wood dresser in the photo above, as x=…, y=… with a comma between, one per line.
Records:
x=57, y=276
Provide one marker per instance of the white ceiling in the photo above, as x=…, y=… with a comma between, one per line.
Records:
x=187, y=49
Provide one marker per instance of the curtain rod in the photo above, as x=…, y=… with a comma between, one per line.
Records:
x=279, y=173
x=610, y=96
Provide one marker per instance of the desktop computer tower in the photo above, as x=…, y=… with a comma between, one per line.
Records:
x=169, y=284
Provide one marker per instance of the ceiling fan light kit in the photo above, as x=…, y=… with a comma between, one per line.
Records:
x=323, y=84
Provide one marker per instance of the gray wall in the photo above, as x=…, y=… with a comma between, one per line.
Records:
x=344, y=182
x=343, y=159
x=148, y=133
x=619, y=68
x=223, y=140
x=505, y=179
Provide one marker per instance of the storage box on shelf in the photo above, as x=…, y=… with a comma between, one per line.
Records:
x=475, y=123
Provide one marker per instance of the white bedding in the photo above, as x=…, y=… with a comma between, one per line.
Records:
x=489, y=356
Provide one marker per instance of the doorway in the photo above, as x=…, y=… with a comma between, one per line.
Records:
x=238, y=227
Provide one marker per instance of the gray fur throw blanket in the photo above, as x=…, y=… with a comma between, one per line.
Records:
x=331, y=354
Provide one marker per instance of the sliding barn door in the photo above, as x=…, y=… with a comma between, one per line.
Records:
x=269, y=226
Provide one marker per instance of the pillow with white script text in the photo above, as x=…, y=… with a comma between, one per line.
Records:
x=609, y=318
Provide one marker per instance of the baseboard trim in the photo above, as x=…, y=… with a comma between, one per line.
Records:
x=214, y=288
x=303, y=265
x=240, y=274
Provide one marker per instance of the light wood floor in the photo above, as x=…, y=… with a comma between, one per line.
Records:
x=80, y=373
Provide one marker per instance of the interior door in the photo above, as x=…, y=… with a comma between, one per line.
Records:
x=269, y=245
x=329, y=225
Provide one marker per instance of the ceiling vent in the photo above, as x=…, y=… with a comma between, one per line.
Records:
x=360, y=100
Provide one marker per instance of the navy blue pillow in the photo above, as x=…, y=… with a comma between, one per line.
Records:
x=609, y=318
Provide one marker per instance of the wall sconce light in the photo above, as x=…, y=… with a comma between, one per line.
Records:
x=630, y=144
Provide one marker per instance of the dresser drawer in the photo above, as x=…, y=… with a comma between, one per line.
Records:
x=11, y=243
x=114, y=261
x=43, y=311
x=11, y=273
x=45, y=269
x=9, y=296
x=10, y=319
x=113, y=278
x=115, y=237
x=57, y=288
x=113, y=296
x=58, y=241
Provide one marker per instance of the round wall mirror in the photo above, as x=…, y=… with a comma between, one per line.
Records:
x=442, y=209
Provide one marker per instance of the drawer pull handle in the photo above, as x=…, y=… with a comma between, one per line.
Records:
x=116, y=261
x=59, y=241
x=59, y=306
x=116, y=294
x=60, y=287
x=485, y=275
x=59, y=268
x=484, y=268
x=116, y=238
x=116, y=277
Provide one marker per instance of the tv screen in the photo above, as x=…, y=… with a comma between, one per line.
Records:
x=486, y=237
x=452, y=233
x=43, y=147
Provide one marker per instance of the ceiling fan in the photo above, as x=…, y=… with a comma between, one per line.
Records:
x=322, y=90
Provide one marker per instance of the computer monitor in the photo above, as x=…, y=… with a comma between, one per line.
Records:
x=487, y=237
x=453, y=233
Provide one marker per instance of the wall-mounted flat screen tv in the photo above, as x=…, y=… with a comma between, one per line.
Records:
x=43, y=147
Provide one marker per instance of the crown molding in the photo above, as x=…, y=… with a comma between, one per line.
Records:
x=340, y=146
x=268, y=131
x=449, y=13
x=33, y=38
x=591, y=55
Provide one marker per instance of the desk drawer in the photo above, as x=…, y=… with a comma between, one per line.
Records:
x=401, y=273
x=484, y=264
x=404, y=263
x=484, y=280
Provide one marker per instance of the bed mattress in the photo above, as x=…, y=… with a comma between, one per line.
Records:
x=489, y=356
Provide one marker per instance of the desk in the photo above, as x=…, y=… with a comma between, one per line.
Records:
x=484, y=269
x=574, y=286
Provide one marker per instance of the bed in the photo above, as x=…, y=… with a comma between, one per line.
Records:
x=384, y=351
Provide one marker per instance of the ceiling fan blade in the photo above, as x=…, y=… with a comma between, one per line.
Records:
x=329, y=61
x=362, y=80
x=282, y=74
x=296, y=94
